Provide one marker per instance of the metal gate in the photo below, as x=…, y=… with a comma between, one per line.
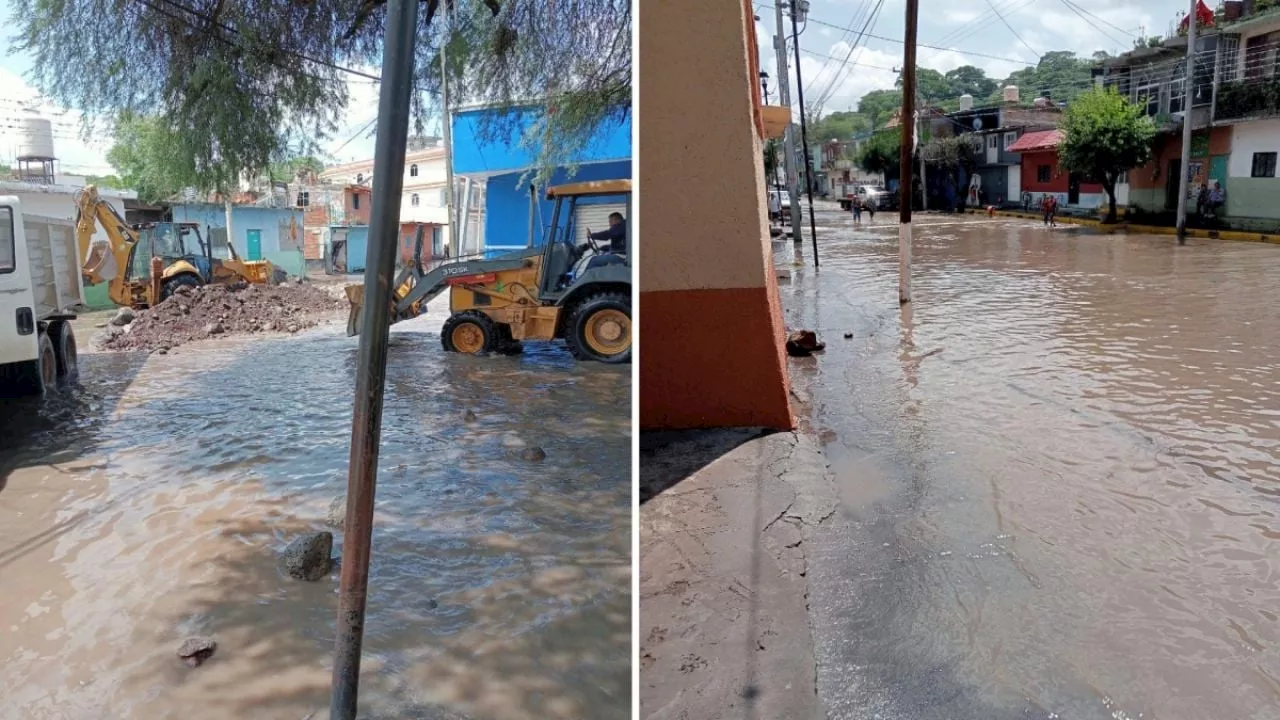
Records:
x=595, y=217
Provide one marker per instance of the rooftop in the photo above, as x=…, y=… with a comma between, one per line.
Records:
x=1042, y=140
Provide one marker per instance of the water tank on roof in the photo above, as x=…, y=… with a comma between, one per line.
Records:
x=35, y=139
x=1010, y=93
x=966, y=102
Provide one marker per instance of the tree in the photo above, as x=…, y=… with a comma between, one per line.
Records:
x=970, y=79
x=153, y=158
x=838, y=126
x=1105, y=135
x=877, y=106
x=931, y=85
x=880, y=152
x=290, y=170
x=1059, y=73
x=242, y=81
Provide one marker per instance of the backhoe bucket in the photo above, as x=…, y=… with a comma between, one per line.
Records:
x=355, y=295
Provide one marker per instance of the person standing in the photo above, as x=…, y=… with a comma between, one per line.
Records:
x=855, y=204
x=775, y=205
x=1044, y=209
x=1053, y=211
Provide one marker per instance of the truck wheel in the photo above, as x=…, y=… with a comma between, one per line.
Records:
x=469, y=331
x=172, y=285
x=45, y=375
x=64, y=345
x=600, y=329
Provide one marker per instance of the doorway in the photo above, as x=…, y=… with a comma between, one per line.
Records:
x=1171, y=185
x=254, y=240
x=1073, y=189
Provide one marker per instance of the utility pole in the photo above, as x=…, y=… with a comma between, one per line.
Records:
x=764, y=83
x=1186, y=124
x=798, y=7
x=924, y=182
x=446, y=129
x=904, y=155
x=371, y=359
x=788, y=138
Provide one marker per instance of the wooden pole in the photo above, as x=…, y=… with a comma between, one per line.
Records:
x=904, y=157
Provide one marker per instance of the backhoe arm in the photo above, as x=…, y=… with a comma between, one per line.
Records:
x=104, y=261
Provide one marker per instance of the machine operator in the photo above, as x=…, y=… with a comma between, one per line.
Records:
x=616, y=236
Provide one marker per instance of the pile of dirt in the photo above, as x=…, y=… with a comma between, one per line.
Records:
x=199, y=313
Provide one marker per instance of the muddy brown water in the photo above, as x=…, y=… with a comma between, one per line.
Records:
x=1060, y=473
x=151, y=505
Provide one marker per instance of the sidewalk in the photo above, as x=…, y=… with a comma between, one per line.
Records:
x=1126, y=227
x=724, y=618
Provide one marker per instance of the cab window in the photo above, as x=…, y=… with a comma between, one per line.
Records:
x=8, y=252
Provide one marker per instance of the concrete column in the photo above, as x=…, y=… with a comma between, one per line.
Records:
x=712, y=335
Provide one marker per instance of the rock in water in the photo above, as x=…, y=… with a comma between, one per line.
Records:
x=337, y=517
x=533, y=454
x=123, y=317
x=307, y=557
x=196, y=650
x=802, y=343
x=469, y=416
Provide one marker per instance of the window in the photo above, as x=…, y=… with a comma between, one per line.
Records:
x=304, y=199
x=413, y=200
x=437, y=242
x=1044, y=173
x=1264, y=165
x=1147, y=93
x=413, y=170
x=359, y=178
x=355, y=201
x=1009, y=139
x=1178, y=89
x=8, y=260
x=1230, y=58
x=993, y=141
x=444, y=200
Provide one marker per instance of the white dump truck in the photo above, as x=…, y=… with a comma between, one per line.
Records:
x=41, y=289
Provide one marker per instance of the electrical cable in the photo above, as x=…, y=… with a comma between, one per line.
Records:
x=1015, y=32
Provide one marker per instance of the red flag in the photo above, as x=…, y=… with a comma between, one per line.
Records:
x=1204, y=16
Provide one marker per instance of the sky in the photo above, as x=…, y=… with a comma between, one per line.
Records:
x=999, y=36
x=973, y=32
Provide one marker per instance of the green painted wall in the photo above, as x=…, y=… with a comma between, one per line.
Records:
x=95, y=297
x=1253, y=197
x=1149, y=199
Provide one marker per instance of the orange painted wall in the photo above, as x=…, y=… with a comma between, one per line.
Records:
x=1169, y=147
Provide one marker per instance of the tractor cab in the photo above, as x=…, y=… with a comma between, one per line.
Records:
x=581, y=208
x=173, y=243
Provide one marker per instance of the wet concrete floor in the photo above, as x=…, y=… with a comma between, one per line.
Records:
x=151, y=505
x=1059, y=470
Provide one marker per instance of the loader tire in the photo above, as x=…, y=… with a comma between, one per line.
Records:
x=171, y=286
x=471, y=332
x=599, y=329
x=508, y=345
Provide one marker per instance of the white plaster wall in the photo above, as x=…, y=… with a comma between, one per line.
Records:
x=1248, y=138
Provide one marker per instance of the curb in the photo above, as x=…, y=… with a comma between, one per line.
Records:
x=1124, y=227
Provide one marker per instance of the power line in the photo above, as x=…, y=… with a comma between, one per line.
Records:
x=835, y=78
x=1015, y=32
x=213, y=21
x=1071, y=6
x=857, y=16
x=1104, y=22
x=1015, y=61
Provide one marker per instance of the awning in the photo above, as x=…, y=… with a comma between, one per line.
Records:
x=1042, y=140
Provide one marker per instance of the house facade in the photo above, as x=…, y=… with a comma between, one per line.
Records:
x=1231, y=104
x=498, y=168
x=1042, y=174
x=258, y=233
x=998, y=175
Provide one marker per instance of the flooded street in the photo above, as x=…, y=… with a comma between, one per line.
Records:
x=1059, y=471
x=153, y=505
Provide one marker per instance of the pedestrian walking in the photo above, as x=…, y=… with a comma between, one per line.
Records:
x=1053, y=211
x=871, y=210
x=1044, y=209
x=855, y=204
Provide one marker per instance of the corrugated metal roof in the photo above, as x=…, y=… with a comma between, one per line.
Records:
x=1041, y=140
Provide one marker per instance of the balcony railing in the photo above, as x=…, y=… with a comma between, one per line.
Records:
x=1248, y=99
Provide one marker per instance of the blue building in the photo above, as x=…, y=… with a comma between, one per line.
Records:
x=502, y=162
x=259, y=233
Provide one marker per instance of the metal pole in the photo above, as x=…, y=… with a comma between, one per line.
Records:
x=924, y=180
x=788, y=137
x=904, y=154
x=1186, y=124
x=371, y=362
x=446, y=130
x=804, y=134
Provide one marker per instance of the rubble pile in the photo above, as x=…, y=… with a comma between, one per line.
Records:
x=212, y=310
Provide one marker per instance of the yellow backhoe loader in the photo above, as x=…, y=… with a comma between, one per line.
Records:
x=556, y=291
x=144, y=264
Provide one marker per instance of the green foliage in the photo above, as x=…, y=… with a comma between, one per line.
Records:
x=838, y=126
x=155, y=159
x=1060, y=73
x=241, y=83
x=1105, y=135
x=107, y=181
x=877, y=106
x=971, y=80
x=880, y=154
x=931, y=85
x=289, y=170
